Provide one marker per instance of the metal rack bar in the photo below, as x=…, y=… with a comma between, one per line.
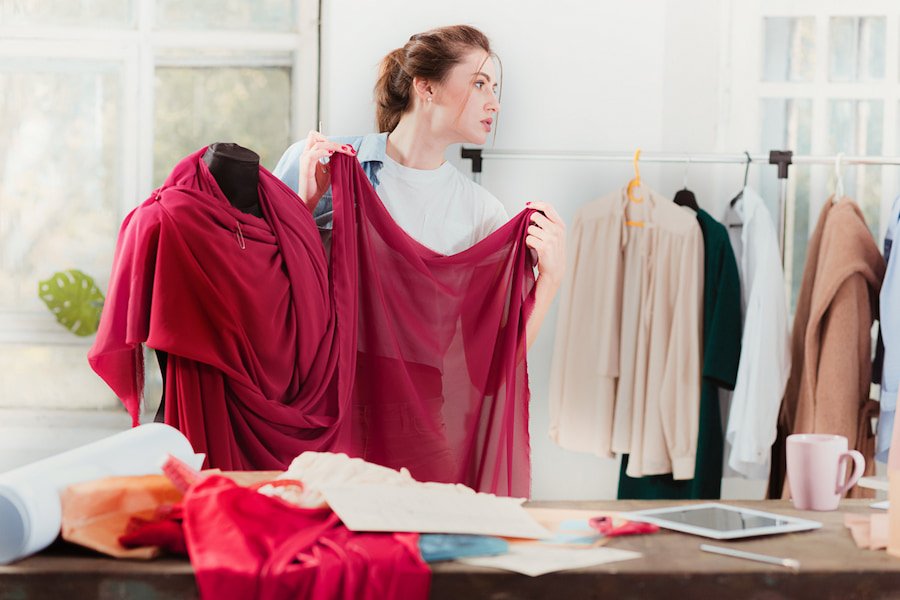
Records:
x=782, y=158
x=481, y=154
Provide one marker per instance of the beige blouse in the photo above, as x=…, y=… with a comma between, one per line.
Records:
x=626, y=365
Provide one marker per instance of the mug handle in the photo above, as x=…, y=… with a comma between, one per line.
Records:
x=859, y=466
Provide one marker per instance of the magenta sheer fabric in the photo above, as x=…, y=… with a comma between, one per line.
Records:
x=392, y=352
x=441, y=378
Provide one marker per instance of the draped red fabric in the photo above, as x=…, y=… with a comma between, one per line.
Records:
x=247, y=313
x=390, y=352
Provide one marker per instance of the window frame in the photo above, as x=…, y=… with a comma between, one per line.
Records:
x=136, y=48
x=744, y=89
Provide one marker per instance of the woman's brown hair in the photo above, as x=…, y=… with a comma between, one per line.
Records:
x=429, y=55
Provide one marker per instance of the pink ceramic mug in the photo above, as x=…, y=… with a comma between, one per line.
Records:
x=817, y=470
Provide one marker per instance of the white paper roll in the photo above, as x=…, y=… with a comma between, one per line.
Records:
x=30, y=511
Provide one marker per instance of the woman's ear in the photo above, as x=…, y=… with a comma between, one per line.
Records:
x=423, y=89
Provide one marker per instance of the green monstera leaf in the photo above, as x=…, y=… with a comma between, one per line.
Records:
x=74, y=299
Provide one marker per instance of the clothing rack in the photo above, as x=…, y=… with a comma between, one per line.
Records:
x=782, y=158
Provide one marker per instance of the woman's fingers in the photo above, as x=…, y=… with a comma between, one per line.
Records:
x=537, y=232
x=315, y=141
x=546, y=236
x=333, y=147
x=540, y=220
x=548, y=211
x=313, y=137
x=534, y=242
x=317, y=153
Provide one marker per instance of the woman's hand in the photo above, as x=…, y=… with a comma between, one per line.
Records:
x=315, y=177
x=547, y=237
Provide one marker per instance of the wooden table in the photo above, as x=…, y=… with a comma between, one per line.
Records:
x=672, y=567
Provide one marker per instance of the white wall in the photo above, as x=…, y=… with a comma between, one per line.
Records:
x=610, y=76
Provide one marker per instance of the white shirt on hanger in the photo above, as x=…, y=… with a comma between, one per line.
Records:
x=765, y=346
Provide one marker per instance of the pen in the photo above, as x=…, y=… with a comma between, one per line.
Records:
x=791, y=563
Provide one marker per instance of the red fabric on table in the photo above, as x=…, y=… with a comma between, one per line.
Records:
x=164, y=530
x=243, y=544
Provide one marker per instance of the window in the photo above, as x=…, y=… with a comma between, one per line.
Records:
x=100, y=99
x=821, y=78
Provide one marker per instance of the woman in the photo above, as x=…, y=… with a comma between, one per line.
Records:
x=410, y=408
x=437, y=90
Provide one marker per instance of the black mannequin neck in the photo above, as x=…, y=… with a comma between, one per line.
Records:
x=236, y=170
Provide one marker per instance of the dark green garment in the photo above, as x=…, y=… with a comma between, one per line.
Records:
x=721, y=354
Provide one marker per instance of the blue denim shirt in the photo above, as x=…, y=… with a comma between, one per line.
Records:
x=370, y=151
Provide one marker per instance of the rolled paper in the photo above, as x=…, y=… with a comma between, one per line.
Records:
x=30, y=511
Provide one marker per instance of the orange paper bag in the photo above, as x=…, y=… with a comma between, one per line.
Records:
x=96, y=513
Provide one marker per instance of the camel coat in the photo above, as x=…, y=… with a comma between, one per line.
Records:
x=828, y=390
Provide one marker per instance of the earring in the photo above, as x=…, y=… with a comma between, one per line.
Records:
x=428, y=99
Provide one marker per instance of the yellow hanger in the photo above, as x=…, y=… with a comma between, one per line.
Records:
x=636, y=182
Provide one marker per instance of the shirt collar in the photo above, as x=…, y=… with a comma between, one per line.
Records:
x=373, y=147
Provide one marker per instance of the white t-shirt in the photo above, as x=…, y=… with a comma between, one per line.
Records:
x=441, y=208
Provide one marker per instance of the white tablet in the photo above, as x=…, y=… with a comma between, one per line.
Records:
x=721, y=521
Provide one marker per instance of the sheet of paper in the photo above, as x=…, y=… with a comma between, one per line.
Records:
x=30, y=511
x=534, y=560
x=569, y=526
x=430, y=509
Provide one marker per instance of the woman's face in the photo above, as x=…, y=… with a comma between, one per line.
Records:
x=465, y=103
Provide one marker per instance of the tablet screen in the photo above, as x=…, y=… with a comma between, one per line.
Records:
x=716, y=518
x=722, y=521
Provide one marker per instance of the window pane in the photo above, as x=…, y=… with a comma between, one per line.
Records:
x=60, y=185
x=59, y=377
x=787, y=124
x=47, y=375
x=273, y=15
x=198, y=106
x=855, y=127
x=88, y=13
x=60, y=166
x=857, y=48
x=789, y=48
